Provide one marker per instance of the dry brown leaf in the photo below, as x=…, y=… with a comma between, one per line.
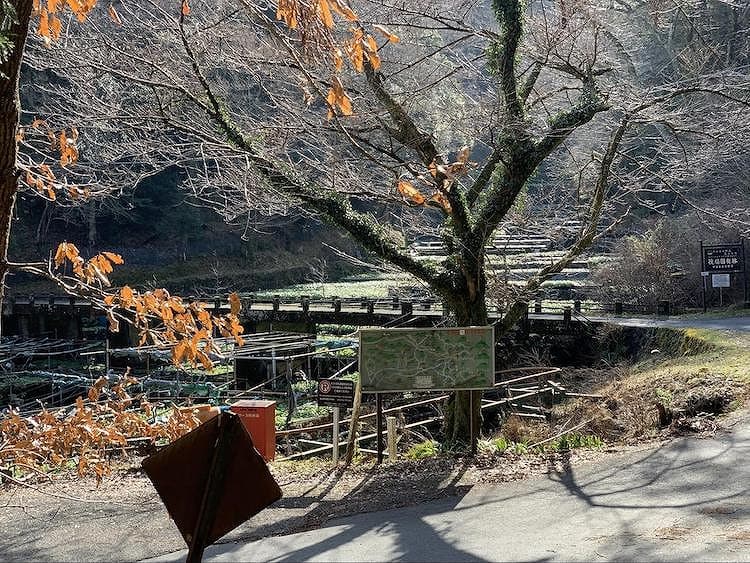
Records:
x=325, y=13
x=393, y=38
x=234, y=303
x=409, y=192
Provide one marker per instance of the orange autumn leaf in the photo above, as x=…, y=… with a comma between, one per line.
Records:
x=337, y=97
x=325, y=13
x=393, y=38
x=185, y=8
x=114, y=258
x=286, y=11
x=340, y=7
x=204, y=360
x=409, y=192
x=55, y=26
x=60, y=255
x=126, y=294
x=356, y=52
x=234, y=303
x=46, y=171
x=50, y=192
x=44, y=24
x=443, y=202
x=67, y=251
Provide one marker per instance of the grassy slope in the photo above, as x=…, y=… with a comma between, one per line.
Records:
x=706, y=372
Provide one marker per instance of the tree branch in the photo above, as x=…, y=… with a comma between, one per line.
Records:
x=588, y=234
x=410, y=135
x=476, y=189
x=590, y=102
x=530, y=81
x=363, y=227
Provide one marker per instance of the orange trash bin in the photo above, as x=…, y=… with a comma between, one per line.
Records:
x=259, y=418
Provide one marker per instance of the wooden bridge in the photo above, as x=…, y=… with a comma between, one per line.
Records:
x=75, y=318
x=72, y=317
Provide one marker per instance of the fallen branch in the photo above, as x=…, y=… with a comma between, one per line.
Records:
x=561, y=434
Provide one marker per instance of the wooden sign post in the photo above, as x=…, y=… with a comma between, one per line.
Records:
x=336, y=393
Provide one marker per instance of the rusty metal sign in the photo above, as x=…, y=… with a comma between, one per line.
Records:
x=212, y=479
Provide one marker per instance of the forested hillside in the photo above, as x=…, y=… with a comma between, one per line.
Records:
x=167, y=242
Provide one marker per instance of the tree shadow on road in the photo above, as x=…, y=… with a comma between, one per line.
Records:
x=680, y=499
x=373, y=492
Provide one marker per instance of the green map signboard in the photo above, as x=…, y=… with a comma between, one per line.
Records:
x=410, y=359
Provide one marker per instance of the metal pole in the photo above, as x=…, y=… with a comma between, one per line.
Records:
x=379, y=425
x=335, y=435
x=744, y=273
x=472, y=437
x=703, y=285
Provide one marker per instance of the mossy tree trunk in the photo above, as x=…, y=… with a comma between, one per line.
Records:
x=474, y=212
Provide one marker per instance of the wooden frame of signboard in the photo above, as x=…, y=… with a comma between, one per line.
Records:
x=393, y=360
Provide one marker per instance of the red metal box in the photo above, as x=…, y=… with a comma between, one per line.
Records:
x=259, y=418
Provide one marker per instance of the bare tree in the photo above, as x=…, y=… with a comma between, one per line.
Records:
x=475, y=105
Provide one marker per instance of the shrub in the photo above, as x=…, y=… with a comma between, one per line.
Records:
x=501, y=444
x=571, y=441
x=663, y=263
x=423, y=450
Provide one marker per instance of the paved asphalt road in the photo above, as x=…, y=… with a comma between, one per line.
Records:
x=741, y=324
x=684, y=500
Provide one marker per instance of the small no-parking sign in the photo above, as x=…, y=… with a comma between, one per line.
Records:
x=336, y=393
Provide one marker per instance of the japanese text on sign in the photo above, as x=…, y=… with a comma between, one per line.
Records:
x=723, y=258
x=336, y=393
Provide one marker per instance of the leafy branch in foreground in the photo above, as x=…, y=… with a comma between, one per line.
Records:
x=188, y=328
x=85, y=436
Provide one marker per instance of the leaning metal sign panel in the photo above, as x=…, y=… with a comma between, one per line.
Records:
x=413, y=359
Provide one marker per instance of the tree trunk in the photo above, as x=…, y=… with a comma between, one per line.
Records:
x=9, y=120
x=463, y=409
